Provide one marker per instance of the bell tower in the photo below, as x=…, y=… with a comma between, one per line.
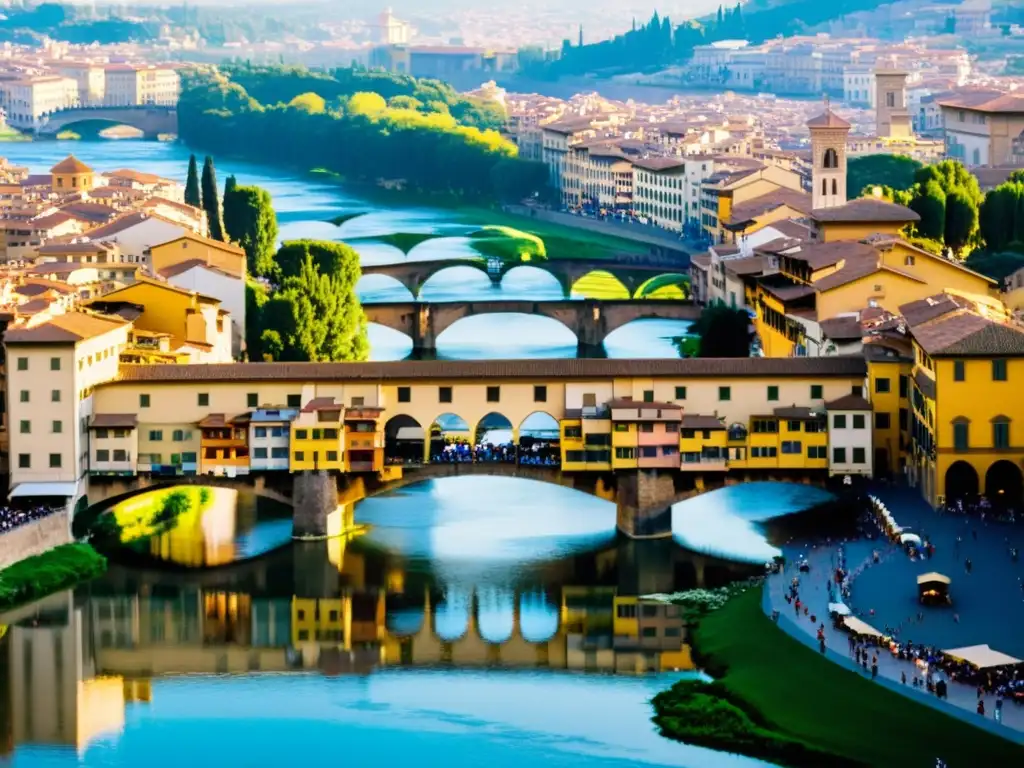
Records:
x=828, y=159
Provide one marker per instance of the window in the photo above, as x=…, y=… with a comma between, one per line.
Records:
x=101, y=434
x=882, y=386
x=259, y=432
x=838, y=455
x=404, y=394
x=301, y=434
x=621, y=427
x=55, y=461
x=203, y=399
x=493, y=394
x=120, y=454
x=103, y=455
x=573, y=432
x=252, y=400
x=54, y=395
x=959, y=371
x=444, y=394
x=998, y=370
x=627, y=611
x=773, y=393
x=279, y=453
x=259, y=453
x=294, y=401
x=540, y=394
x=858, y=421
x=625, y=453
x=23, y=396
x=54, y=363
x=792, y=446
x=839, y=421
x=300, y=455
x=961, y=435
x=178, y=435
x=22, y=363
x=330, y=434
x=792, y=426
x=762, y=426
x=816, y=452
x=1001, y=432
x=648, y=395
x=156, y=435
x=831, y=158
x=25, y=427
x=858, y=456
x=57, y=427
x=143, y=401
x=816, y=392
x=24, y=461
x=724, y=393
x=680, y=393
x=882, y=421
x=904, y=385
x=332, y=455
x=908, y=260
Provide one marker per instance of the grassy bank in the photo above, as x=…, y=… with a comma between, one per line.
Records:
x=42, y=575
x=777, y=699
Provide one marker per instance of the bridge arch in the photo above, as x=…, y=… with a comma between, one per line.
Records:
x=530, y=273
x=599, y=284
x=152, y=120
x=404, y=440
x=533, y=319
x=424, y=278
x=539, y=440
x=491, y=426
x=663, y=284
x=375, y=287
x=452, y=614
x=405, y=614
x=448, y=431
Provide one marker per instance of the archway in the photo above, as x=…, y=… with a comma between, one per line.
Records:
x=961, y=481
x=494, y=439
x=403, y=441
x=450, y=439
x=539, y=617
x=95, y=128
x=1004, y=484
x=673, y=285
x=495, y=614
x=539, y=440
x=600, y=284
x=458, y=282
x=532, y=283
x=451, y=614
x=380, y=288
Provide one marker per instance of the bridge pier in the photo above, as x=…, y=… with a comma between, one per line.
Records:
x=315, y=498
x=643, y=500
x=591, y=329
x=424, y=338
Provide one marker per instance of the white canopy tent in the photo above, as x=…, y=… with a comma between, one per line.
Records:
x=982, y=656
x=840, y=609
x=65, y=490
x=910, y=538
x=859, y=627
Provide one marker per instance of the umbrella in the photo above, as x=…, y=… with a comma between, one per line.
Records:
x=840, y=609
x=910, y=538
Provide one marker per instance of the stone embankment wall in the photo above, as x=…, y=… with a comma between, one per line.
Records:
x=34, y=538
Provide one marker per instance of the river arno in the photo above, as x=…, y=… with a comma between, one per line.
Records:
x=305, y=206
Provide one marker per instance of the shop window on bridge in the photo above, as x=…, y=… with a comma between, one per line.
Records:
x=839, y=455
x=252, y=400
x=817, y=452
x=680, y=393
x=620, y=427
x=626, y=611
x=792, y=447
x=625, y=453
x=763, y=452
x=765, y=426
x=904, y=385
x=882, y=421
x=858, y=421
x=882, y=385
x=598, y=457
x=725, y=393
x=859, y=456
x=493, y=394
x=792, y=426
x=444, y=394
x=959, y=371
x=816, y=392
x=575, y=456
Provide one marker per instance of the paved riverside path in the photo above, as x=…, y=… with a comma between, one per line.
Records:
x=962, y=699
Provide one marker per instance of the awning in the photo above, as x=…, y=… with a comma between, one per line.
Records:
x=409, y=433
x=928, y=578
x=859, y=627
x=23, y=490
x=839, y=608
x=982, y=657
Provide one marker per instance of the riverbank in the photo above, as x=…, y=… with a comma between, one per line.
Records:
x=797, y=695
x=42, y=575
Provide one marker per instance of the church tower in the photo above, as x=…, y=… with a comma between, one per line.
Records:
x=828, y=159
x=892, y=120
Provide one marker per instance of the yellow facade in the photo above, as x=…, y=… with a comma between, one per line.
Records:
x=841, y=230
x=889, y=390
x=317, y=445
x=625, y=448
x=227, y=257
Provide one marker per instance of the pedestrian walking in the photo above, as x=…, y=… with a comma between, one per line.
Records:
x=998, y=713
x=981, y=707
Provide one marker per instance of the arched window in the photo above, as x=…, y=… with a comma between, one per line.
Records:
x=835, y=187
x=824, y=186
x=831, y=159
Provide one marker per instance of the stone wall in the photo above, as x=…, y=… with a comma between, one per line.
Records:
x=35, y=538
x=315, y=497
x=643, y=499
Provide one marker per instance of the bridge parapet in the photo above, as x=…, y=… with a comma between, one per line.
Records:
x=152, y=120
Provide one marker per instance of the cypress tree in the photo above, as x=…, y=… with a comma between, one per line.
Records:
x=211, y=201
x=192, y=184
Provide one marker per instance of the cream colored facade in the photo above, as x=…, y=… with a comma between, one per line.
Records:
x=990, y=133
x=659, y=192
x=29, y=101
x=597, y=175
x=91, y=81
x=131, y=85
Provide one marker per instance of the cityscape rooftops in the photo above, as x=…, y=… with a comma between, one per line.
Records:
x=71, y=164
x=865, y=209
x=828, y=119
x=69, y=328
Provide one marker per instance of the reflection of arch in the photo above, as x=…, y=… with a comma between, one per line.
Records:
x=600, y=284
x=495, y=614
x=961, y=481
x=657, y=282
x=831, y=159
x=405, y=614
x=403, y=440
x=1004, y=482
x=452, y=615
x=539, y=619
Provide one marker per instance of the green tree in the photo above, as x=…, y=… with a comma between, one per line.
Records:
x=893, y=171
x=961, y=218
x=930, y=205
x=328, y=257
x=724, y=332
x=310, y=103
x=211, y=203
x=317, y=317
x=250, y=221
x=192, y=196
x=998, y=216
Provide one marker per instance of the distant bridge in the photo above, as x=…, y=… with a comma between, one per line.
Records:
x=590, y=320
x=151, y=120
x=635, y=273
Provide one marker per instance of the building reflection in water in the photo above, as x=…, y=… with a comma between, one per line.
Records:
x=72, y=664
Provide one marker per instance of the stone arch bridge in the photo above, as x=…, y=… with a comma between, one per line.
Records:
x=633, y=272
x=590, y=320
x=151, y=120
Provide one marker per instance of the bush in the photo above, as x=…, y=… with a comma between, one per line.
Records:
x=42, y=575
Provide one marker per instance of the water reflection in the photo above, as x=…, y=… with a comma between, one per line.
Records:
x=727, y=522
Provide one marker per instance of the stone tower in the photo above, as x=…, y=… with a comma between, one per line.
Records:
x=828, y=159
x=892, y=120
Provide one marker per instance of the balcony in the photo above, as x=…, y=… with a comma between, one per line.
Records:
x=360, y=466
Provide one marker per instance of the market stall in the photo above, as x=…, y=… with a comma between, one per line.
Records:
x=933, y=588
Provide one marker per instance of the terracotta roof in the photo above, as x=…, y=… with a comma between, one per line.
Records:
x=230, y=247
x=770, y=201
x=700, y=260
x=965, y=334
x=119, y=224
x=114, y=421
x=795, y=413
x=157, y=200
x=321, y=404
x=750, y=265
x=827, y=119
x=176, y=269
x=92, y=212
x=696, y=421
x=213, y=420
x=641, y=404
x=71, y=164
x=822, y=255
x=786, y=290
x=849, y=402
x=921, y=311
x=139, y=176
x=864, y=210
x=842, y=328
x=63, y=329
x=62, y=248
x=509, y=369
x=984, y=101
x=658, y=163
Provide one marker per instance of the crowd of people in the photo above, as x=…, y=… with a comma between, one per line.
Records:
x=14, y=517
x=980, y=507
x=460, y=451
